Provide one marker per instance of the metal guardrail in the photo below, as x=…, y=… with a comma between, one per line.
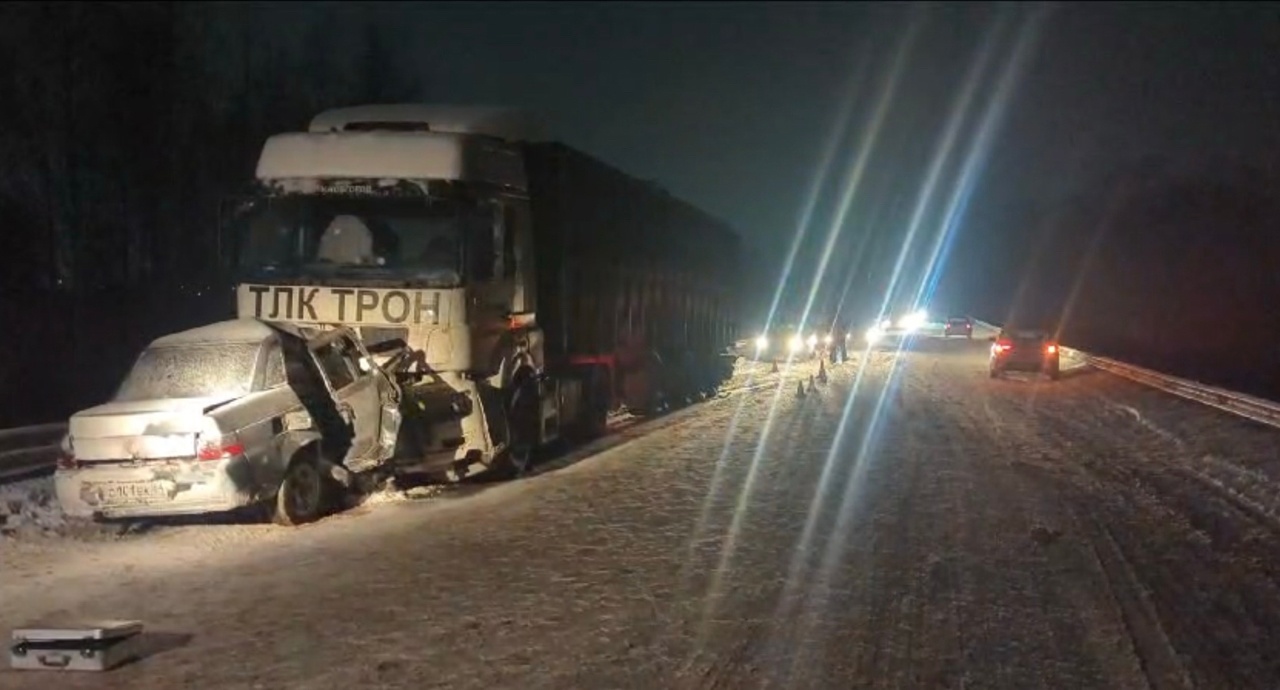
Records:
x=29, y=451
x=1240, y=404
x=1257, y=409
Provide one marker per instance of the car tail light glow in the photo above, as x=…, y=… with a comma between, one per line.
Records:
x=219, y=447
x=1002, y=346
x=1051, y=349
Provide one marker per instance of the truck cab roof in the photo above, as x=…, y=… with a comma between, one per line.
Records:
x=509, y=124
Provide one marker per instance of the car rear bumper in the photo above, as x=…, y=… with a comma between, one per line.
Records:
x=1025, y=364
x=173, y=487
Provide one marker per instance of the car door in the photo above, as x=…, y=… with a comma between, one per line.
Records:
x=357, y=395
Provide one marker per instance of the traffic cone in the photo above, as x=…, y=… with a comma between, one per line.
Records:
x=799, y=389
x=812, y=387
x=774, y=369
x=822, y=371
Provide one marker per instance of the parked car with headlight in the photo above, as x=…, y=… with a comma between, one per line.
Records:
x=229, y=415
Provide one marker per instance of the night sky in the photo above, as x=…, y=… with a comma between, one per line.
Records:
x=732, y=106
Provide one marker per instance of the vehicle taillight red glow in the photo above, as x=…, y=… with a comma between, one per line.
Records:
x=219, y=448
x=1002, y=346
x=1052, y=349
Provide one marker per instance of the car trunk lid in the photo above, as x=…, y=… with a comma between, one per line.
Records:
x=141, y=430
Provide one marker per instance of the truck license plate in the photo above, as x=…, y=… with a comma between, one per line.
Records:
x=133, y=492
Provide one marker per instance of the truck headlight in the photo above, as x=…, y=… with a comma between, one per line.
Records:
x=796, y=344
x=762, y=344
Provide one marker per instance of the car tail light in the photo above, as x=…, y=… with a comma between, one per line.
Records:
x=1052, y=349
x=218, y=448
x=1002, y=346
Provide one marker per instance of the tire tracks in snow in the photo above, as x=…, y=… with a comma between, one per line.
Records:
x=1191, y=567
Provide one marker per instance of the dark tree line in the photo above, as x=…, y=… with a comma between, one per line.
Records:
x=1173, y=269
x=124, y=128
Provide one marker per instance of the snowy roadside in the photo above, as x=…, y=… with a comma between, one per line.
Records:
x=30, y=507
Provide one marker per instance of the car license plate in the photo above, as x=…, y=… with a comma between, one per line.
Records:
x=115, y=493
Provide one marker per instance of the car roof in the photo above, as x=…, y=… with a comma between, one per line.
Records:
x=233, y=331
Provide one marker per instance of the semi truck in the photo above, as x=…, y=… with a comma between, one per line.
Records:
x=519, y=289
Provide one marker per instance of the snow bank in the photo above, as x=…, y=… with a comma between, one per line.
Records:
x=30, y=506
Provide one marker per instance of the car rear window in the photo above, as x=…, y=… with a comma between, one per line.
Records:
x=191, y=371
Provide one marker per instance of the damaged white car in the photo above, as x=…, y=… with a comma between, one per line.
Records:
x=234, y=414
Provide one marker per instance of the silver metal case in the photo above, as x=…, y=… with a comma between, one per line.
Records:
x=90, y=646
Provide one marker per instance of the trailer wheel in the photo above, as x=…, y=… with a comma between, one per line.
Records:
x=593, y=420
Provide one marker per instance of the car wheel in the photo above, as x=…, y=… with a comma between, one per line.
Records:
x=302, y=496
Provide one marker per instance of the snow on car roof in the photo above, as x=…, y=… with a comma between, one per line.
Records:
x=233, y=331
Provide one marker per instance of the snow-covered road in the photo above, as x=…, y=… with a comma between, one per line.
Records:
x=964, y=532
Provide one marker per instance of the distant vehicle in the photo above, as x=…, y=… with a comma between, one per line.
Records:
x=228, y=415
x=958, y=325
x=786, y=342
x=899, y=331
x=1024, y=350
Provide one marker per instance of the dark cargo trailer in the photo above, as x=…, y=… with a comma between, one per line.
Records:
x=630, y=276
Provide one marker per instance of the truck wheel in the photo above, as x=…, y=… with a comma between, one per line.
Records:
x=523, y=412
x=303, y=495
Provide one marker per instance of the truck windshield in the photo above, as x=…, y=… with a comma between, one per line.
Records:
x=191, y=371
x=374, y=237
